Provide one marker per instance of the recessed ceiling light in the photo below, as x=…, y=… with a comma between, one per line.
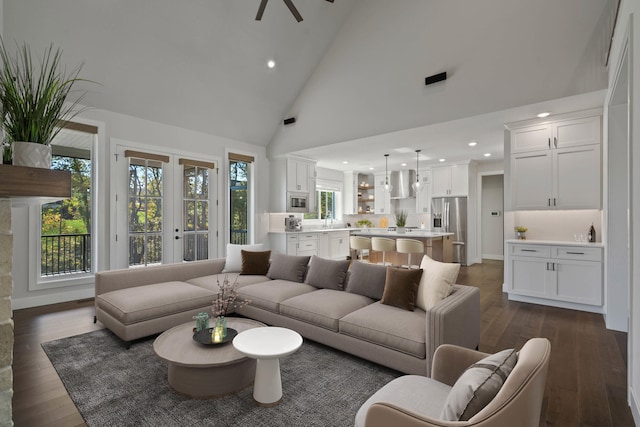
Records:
x=271, y=63
x=403, y=164
x=370, y=169
x=543, y=115
x=344, y=162
x=473, y=144
x=487, y=154
x=441, y=160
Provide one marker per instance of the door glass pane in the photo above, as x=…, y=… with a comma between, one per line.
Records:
x=145, y=211
x=195, y=204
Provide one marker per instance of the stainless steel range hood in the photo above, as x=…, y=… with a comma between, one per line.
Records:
x=401, y=182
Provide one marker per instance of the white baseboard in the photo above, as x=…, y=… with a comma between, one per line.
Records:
x=635, y=408
x=496, y=257
x=55, y=298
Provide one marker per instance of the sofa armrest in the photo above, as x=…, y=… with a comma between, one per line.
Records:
x=113, y=280
x=450, y=361
x=454, y=320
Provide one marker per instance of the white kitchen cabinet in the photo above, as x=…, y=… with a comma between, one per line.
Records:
x=565, y=276
x=338, y=245
x=559, y=134
x=452, y=180
x=382, y=198
x=423, y=198
x=298, y=174
x=564, y=178
x=323, y=245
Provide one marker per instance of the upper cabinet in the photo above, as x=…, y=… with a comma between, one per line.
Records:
x=449, y=181
x=556, y=165
x=423, y=197
x=382, y=197
x=299, y=174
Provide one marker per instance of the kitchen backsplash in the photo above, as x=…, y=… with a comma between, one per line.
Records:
x=554, y=225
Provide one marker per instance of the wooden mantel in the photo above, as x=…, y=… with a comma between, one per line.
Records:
x=21, y=181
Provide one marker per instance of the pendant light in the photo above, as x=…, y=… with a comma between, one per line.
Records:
x=417, y=186
x=387, y=187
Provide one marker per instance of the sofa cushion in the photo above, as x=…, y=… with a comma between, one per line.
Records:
x=478, y=385
x=327, y=273
x=233, y=261
x=367, y=279
x=255, y=263
x=146, y=302
x=211, y=282
x=288, y=267
x=323, y=307
x=401, y=288
x=269, y=295
x=390, y=327
x=436, y=283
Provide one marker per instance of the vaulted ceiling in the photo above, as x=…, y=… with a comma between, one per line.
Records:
x=350, y=71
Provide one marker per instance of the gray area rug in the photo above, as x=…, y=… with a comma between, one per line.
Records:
x=112, y=386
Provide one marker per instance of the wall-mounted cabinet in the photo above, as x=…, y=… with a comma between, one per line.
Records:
x=449, y=181
x=298, y=174
x=556, y=165
x=365, y=193
x=423, y=198
x=382, y=197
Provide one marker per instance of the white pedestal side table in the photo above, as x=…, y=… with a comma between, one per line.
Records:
x=267, y=345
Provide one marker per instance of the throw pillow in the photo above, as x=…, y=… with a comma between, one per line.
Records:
x=436, y=283
x=401, y=288
x=288, y=267
x=327, y=273
x=478, y=385
x=255, y=263
x=233, y=262
x=367, y=279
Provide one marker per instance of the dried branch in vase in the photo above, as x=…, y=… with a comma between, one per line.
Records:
x=227, y=299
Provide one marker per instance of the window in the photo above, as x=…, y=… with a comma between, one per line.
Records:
x=195, y=205
x=240, y=205
x=328, y=201
x=65, y=243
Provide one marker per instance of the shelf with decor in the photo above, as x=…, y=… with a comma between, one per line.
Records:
x=365, y=196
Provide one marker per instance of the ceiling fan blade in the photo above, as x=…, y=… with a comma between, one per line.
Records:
x=263, y=4
x=293, y=10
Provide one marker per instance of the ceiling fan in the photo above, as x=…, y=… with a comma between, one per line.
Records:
x=290, y=5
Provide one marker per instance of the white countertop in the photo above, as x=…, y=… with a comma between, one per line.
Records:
x=555, y=242
x=315, y=230
x=410, y=233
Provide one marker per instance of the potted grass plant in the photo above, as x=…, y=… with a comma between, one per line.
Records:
x=401, y=220
x=35, y=101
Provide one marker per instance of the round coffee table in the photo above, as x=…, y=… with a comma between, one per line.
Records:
x=267, y=345
x=202, y=371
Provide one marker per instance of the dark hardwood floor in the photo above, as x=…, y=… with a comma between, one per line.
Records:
x=586, y=385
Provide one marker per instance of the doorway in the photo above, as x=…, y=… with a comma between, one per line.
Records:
x=491, y=215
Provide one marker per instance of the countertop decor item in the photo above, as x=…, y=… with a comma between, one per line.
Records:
x=35, y=100
x=364, y=223
x=401, y=220
x=520, y=232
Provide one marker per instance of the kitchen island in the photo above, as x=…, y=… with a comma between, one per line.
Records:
x=438, y=245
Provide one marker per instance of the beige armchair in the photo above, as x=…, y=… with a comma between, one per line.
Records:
x=416, y=401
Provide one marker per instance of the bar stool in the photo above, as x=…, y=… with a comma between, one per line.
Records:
x=410, y=246
x=358, y=243
x=383, y=244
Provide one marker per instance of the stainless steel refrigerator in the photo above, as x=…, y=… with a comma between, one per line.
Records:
x=449, y=214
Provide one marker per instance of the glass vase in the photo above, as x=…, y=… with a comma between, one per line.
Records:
x=221, y=325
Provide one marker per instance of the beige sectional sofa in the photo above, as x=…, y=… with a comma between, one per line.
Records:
x=138, y=302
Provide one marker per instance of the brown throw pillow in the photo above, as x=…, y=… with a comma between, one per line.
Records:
x=255, y=263
x=401, y=288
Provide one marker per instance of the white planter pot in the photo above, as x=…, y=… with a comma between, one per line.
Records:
x=31, y=154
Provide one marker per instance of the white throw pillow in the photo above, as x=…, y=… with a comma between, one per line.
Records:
x=233, y=262
x=436, y=283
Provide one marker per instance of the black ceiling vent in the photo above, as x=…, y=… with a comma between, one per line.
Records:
x=435, y=78
x=290, y=121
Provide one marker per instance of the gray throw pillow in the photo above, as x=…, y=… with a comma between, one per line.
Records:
x=367, y=279
x=288, y=267
x=327, y=273
x=478, y=385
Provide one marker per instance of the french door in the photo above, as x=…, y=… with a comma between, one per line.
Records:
x=166, y=208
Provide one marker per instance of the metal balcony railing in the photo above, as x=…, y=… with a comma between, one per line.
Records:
x=65, y=254
x=239, y=236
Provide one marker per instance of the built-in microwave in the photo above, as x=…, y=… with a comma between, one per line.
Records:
x=297, y=202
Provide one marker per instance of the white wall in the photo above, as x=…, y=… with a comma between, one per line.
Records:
x=491, y=227
x=123, y=127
